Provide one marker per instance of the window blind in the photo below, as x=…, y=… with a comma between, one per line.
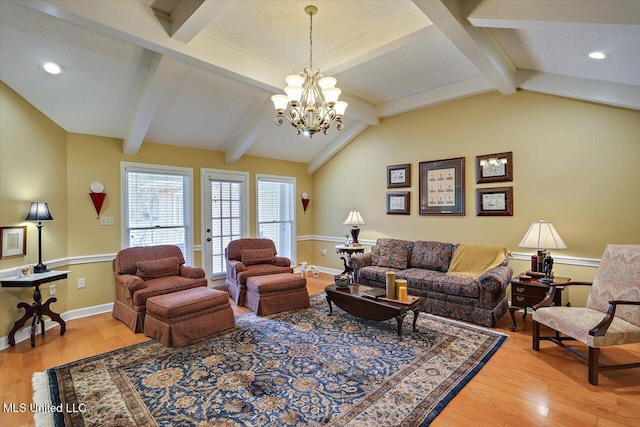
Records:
x=276, y=213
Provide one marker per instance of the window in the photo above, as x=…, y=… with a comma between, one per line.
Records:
x=226, y=215
x=157, y=206
x=276, y=212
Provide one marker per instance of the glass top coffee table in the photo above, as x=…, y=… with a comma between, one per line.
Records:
x=353, y=301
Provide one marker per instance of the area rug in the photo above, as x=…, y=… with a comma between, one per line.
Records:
x=291, y=369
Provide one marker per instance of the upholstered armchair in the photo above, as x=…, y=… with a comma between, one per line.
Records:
x=144, y=272
x=612, y=314
x=251, y=257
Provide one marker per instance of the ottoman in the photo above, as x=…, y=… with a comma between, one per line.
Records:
x=273, y=293
x=180, y=317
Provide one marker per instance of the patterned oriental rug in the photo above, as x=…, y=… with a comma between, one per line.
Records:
x=291, y=369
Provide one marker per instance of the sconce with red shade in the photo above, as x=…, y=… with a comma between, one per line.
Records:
x=305, y=202
x=97, y=196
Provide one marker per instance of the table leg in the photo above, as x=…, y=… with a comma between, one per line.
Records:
x=512, y=313
x=347, y=268
x=400, y=319
x=416, y=313
x=46, y=310
x=330, y=306
x=28, y=314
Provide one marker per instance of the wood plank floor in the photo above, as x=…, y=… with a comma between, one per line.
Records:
x=517, y=387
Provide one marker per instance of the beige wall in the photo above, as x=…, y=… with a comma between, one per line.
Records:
x=575, y=164
x=40, y=161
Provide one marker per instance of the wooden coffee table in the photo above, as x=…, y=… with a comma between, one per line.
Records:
x=353, y=302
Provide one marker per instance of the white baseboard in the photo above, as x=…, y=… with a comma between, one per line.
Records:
x=25, y=333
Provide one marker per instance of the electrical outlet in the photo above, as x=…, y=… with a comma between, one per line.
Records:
x=52, y=289
x=107, y=220
x=323, y=252
x=81, y=283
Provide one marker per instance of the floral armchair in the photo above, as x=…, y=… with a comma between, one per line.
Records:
x=143, y=272
x=612, y=314
x=251, y=257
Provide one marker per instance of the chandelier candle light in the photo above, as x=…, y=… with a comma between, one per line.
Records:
x=312, y=99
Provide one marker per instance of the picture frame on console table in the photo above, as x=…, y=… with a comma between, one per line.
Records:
x=13, y=242
x=442, y=187
x=497, y=167
x=399, y=176
x=497, y=201
x=398, y=203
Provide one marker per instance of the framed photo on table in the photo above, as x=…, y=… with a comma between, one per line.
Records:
x=13, y=242
x=399, y=176
x=496, y=201
x=398, y=203
x=442, y=187
x=497, y=167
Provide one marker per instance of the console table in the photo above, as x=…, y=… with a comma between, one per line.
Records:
x=35, y=310
x=349, y=250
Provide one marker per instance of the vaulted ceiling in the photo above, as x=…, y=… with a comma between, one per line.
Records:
x=200, y=73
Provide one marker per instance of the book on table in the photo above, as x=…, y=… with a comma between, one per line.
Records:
x=374, y=293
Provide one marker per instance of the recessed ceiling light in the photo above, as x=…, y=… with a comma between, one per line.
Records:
x=52, y=68
x=598, y=55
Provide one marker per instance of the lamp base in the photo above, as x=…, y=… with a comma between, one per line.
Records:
x=40, y=268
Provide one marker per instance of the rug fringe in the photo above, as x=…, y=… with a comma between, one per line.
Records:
x=41, y=398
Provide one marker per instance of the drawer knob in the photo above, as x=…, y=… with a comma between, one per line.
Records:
x=520, y=290
x=519, y=298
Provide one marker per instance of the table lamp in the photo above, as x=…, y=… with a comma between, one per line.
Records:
x=354, y=219
x=39, y=212
x=542, y=236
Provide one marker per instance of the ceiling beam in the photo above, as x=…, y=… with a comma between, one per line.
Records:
x=462, y=89
x=190, y=17
x=613, y=16
x=348, y=134
x=154, y=88
x=617, y=94
x=474, y=43
x=250, y=132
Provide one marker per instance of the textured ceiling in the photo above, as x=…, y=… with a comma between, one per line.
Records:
x=200, y=73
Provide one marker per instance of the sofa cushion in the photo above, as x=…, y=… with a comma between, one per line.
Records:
x=389, y=257
x=456, y=285
x=162, y=267
x=257, y=256
x=431, y=255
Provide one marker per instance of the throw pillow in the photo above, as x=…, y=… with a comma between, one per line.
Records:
x=391, y=257
x=257, y=256
x=157, y=268
x=431, y=255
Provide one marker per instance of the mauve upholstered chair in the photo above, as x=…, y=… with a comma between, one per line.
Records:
x=251, y=257
x=144, y=272
x=612, y=314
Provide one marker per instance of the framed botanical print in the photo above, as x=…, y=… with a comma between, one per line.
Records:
x=497, y=167
x=496, y=201
x=399, y=176
x=442, y=187
x=398, y=203
x=13, y=241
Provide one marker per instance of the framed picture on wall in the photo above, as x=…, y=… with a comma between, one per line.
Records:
x=399, y=176
x=442, y=187
x=496, y=201
x=398, y=203
x=497, y=167
x=13, y=241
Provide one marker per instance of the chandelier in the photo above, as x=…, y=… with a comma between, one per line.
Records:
x=312, y=99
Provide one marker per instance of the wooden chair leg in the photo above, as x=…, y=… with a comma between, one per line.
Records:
x=594, y=362
x=536, y=336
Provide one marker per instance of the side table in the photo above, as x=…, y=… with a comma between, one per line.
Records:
x=36, y=310
x=527, y=292
x=349, y=250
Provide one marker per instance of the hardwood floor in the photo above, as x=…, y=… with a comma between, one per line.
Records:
x=517, y=387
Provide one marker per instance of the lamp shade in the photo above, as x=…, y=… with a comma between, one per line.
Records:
x=39, y=211
x=542, y=235
x=354, y=218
